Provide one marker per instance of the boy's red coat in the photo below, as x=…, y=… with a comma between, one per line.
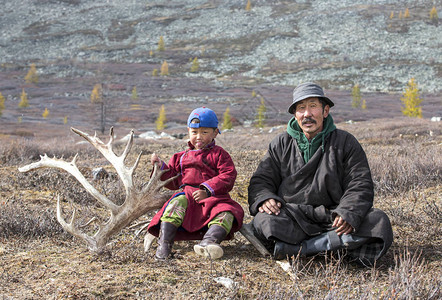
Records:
x=213, y=168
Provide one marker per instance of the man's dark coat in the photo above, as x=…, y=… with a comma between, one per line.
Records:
x=335, y=181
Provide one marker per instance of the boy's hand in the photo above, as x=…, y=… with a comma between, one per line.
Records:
x=199, y=195
x=155, y=159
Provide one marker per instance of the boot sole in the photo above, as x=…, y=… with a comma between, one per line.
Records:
x=211, y=251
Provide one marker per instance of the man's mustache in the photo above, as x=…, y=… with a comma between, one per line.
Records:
x=310, y=120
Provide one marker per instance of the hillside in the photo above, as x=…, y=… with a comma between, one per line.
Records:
x=271, y=48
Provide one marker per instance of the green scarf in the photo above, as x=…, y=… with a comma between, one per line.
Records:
x=309, y=148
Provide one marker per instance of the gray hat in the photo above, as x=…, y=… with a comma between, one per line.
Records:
x=308, y=90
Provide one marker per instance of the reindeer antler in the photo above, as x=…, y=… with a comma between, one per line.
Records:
x=137, y=202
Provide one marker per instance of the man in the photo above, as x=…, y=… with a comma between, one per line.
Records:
x=313, y=191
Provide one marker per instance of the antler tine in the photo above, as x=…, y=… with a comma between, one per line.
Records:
x=107, y=151
x=70, y=227
x=135, y=165
x=128, y=145
x=111, y=136
x=92, y=140
x=156, y=179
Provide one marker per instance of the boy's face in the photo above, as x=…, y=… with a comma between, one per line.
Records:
x=200, y=137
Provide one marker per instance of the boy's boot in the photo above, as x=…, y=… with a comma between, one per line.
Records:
x=165, y=242
x=327, y=241
x=209, y=246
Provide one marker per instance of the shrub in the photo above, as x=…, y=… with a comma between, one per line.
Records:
x=15, y=220
x=24, y=99
x=155, y=72
x=407, y=13
x=411, y=100
x=65, y=120
x=32, y=76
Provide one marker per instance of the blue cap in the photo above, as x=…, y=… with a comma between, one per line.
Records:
x=206, y=116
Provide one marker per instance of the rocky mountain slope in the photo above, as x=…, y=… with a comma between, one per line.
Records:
x=283, y=42
x=270, y=48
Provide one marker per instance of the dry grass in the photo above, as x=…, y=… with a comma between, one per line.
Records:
x=39, y=260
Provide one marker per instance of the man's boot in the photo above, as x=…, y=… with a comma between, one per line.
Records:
x=209, y=246
x=165, y=241
x=327, y=241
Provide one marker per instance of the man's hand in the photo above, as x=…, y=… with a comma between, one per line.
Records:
x=199, y=195
x=270, y=206
x=342, y=227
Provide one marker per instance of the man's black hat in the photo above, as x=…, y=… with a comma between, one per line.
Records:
x=308, y=90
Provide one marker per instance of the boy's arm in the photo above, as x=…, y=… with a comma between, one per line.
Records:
x=172, y=170
x=225, y=180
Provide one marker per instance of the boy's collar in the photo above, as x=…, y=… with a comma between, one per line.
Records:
x=208, y=146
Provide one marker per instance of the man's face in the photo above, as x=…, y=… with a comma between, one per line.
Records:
x=310, y=116
x=200, y=137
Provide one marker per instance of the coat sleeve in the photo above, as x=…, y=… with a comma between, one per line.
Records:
x=266, y=180
x=173, y=169
x=225, y=180
x=357, y=184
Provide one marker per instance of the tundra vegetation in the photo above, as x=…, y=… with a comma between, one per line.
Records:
x=39, y=259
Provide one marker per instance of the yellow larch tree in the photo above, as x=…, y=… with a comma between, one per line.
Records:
x=134, y=93
x=356, y=96
x=96, y=95
x=248, y=5
x=261, y=114
x=161, y=45
x=24, y=99
x=195, y=65
x=45, y=114
x=164, y=69
x=364, y=104
x=411, y=100
x=227, y=120
x=433, y=14
x=161, y=120
x=2, y=104
x=32, y=76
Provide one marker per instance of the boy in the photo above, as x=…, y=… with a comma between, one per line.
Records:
x=203, y=207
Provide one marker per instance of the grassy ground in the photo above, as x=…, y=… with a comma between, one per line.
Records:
x=39, y=260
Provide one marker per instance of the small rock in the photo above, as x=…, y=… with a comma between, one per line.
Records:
x=99, y=173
